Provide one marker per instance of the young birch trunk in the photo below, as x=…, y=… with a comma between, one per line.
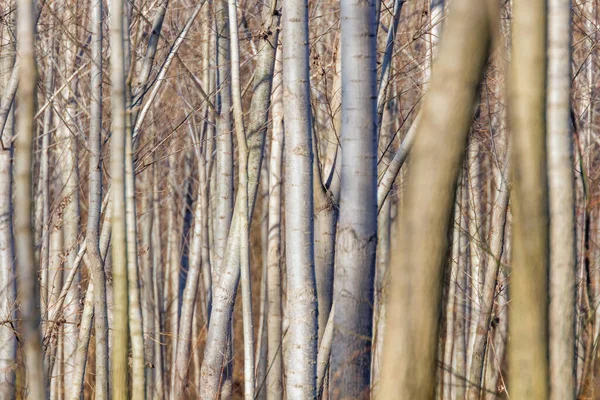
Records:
x=561, y=202
x=120, y=342
x=301, y=355
x=27, y=285
x=274, y=277
x=528, y=316
x=94, y=210
x=226, y=286
x=8, y=300
x=416, y=290
x=357, y=232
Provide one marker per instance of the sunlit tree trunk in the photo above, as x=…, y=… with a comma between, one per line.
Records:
x=301, y=355
x=8, y=339
x=357, y=230
x=274, y=310
x=224, y=289
x=120, y=342
x=528, y=316
x=94, y=208
x=561, y=203
x=416, y=284
x=27, y=283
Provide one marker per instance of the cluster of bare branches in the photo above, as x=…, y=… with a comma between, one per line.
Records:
x=401, y=191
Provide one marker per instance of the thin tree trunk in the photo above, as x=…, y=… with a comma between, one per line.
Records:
x=274, y=276
x=120, y=342
x=486, y=316
x=415, y=302
x=8, y=300
x=81, y=354
x=94, y=209
x=27, y=284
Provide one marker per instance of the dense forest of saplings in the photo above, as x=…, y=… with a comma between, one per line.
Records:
x=300, y=199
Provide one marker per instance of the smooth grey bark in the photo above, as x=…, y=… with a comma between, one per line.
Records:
x=301, y=346
x=224, y=288
x=357, y=231
x=416, y=284
x=136, y=324
x=242, y=211
x=94, y=209
x=224, y=141
x=561, y=202
x=274, y=276
x=26, y=266
x=8, y=300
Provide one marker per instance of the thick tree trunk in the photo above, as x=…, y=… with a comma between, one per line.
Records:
x=561, y=202
x=528, y=316
x=301, y=355
x=416, y=293
x=357, y=231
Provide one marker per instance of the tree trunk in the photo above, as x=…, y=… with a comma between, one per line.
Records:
x=357, y=231
x=27, y=284
x=528, y=316
x=120, y=342
x=561, y=203
x=416, y=291
x=274, y=276
x=301, y=355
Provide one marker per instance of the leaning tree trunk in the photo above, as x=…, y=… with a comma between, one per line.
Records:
x=28, y=287
x=528, y=316
x=357, y=230
x=301, y=355
x=417, y=265
x=224, y=289
x=562, y=203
